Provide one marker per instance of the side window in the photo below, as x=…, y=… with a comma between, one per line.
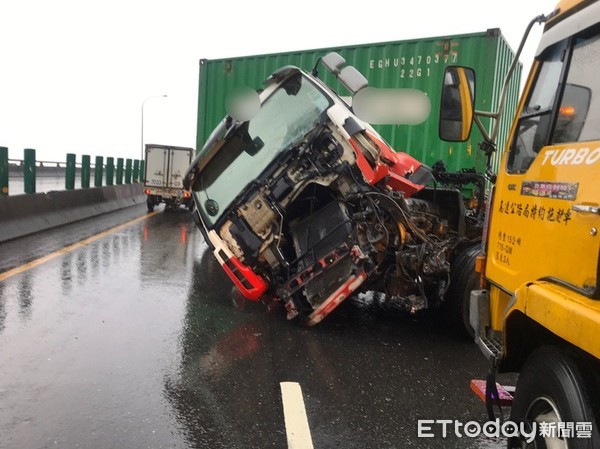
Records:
x=536, y=119
x=578, y=117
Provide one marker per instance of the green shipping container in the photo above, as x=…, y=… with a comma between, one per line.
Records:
x=415, y=64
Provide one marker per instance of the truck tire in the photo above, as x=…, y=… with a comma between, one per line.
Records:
x=150, y=204
x=553, y=387
x=463, y=279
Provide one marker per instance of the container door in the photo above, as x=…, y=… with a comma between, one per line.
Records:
x=545, y=217
x=180, y=161
x=156, y=166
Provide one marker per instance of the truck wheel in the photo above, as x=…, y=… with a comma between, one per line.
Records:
x=150, y=205
x=463, y=279
x=552, y=389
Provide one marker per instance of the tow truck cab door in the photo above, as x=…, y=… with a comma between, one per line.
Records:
x=544, y=218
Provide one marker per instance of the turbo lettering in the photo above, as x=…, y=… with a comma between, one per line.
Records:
x=571, y=156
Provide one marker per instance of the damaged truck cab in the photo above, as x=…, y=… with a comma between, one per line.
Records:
x=304, y=203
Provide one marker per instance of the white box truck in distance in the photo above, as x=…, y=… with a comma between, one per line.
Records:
x=163, y=176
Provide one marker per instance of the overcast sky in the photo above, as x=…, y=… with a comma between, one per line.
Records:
x=74, y=73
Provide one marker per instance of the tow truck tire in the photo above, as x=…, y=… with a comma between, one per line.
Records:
x=553, y=383
x=463, y=279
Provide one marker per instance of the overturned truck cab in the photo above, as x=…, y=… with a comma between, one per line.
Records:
x=302, y=202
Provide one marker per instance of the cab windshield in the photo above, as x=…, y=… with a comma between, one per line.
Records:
x=285, y=117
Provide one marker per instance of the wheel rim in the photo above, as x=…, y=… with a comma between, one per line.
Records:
x=543, y=410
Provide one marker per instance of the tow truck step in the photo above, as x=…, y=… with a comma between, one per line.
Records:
x=505, y=393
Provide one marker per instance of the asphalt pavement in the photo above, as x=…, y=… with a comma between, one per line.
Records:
x=130, y=339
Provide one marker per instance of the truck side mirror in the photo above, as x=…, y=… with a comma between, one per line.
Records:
x=334, y=62
x=352, y=79
x=349, y=76
x=457, y=106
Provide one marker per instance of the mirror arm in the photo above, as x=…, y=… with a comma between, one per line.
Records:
x=477, y=120
x=539, y=19
x=487, y=145
x=315, y=71
x=485, y=114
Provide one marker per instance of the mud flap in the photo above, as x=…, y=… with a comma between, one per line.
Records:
x=492, y=393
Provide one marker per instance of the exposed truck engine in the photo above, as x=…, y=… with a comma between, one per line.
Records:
x=304, y=203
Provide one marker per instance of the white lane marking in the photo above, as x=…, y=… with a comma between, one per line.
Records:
x=67, y=249
x=296, y=421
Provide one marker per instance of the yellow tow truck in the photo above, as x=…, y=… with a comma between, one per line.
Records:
x=538, y=311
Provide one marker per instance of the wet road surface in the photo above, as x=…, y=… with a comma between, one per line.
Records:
x=132, y=341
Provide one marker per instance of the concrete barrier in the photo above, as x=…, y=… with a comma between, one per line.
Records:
x=22, y=215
